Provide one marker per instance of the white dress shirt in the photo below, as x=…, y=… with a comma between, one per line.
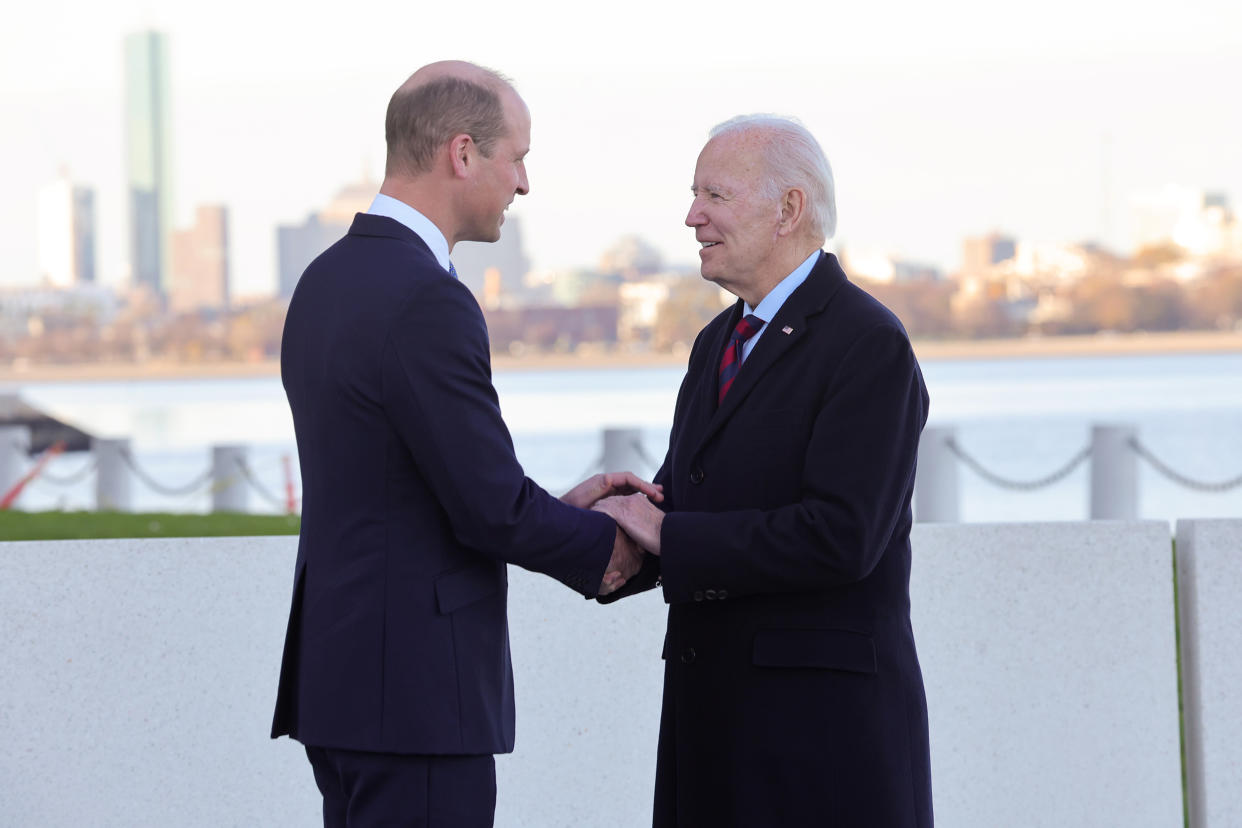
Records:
x=771, y=304
x=421, y=225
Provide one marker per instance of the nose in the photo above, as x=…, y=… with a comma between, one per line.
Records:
x=695, y=217
x=523, y=185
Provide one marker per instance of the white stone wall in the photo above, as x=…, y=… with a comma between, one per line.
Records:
x=1209, y=574
x=1049, y=657
x=138, y=678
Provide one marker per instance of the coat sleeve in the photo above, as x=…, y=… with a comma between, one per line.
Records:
x=649, y=576
x=439, y=396
x=855, y=485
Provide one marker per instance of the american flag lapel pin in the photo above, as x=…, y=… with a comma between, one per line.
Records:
x=786, y=330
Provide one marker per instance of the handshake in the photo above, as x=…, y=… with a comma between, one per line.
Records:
x=626, y=499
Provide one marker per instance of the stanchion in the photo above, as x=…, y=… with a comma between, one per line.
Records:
x=1114, y=473
x=228, y=485
x=623, y=451
x=113, y=477
x=935, y=487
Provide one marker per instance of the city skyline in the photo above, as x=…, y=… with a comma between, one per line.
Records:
x=940, y=125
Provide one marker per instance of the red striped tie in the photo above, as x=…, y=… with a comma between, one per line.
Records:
x=731, y=359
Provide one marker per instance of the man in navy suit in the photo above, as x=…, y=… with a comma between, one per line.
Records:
x=396, y=672
x=792, y=690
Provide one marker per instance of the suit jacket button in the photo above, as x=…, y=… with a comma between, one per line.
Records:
x=687, y=655
x=696, y=475
x=710, y=595
x=722, y=594
x=698, y=595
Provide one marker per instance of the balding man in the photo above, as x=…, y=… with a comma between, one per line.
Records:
x=396, y=672
x=792, y=690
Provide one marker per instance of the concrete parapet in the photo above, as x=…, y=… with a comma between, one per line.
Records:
x=1209, y=578
x=1049, y=657
x=139, y=679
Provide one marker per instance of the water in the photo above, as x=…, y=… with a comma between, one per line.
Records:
x=1022, y=418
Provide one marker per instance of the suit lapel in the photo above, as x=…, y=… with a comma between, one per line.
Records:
x=786, y=330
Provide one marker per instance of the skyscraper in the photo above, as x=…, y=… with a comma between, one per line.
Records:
x=200, y=262
x=148, y=156
x=66, y=234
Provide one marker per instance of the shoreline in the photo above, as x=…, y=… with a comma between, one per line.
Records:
x=1099, y=345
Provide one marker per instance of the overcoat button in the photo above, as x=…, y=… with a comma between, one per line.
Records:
x=710, y=595
x=722, y=594
x=696, y=475
x=698, y=595
x=687, y=655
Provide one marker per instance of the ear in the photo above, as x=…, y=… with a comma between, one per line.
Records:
x=462, y=154
x=793, y=208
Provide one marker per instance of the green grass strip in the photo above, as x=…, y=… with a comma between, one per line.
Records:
x=84, y=525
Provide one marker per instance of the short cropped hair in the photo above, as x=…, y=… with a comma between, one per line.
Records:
x=793, y=159
x=422, y=118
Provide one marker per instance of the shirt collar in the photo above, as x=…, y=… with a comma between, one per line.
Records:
x=422, y=226
x=771, y=304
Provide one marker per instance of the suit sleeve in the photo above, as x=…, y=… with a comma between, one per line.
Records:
x=649, y=576
x=440, y=399
x=859, y=468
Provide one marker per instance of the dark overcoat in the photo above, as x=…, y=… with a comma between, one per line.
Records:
x=792, y=690
x=413, y=502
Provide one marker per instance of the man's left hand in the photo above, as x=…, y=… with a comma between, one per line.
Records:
x=596, y=487
x=640, y=520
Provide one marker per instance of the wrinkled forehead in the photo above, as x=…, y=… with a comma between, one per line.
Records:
x=734, y=161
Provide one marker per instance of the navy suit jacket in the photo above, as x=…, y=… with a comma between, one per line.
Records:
x=413, y=502
x=792, y=689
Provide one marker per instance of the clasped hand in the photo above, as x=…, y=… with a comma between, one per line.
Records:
x=603, y=492
x=639, y=523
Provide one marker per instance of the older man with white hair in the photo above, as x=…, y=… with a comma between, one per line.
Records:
x=792, y=689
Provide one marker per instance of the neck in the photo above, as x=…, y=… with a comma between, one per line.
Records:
x=780, y=266
x=423, y=195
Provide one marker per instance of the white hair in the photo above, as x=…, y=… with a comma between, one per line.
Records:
x=793, y=160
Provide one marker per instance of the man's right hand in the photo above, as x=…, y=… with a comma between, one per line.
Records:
x=627, y=559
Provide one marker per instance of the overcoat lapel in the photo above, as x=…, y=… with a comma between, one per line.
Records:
x=808, y=300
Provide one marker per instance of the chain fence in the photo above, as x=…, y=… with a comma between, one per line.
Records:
x=1165, y=469
x=251, y=478
x=69, y=479
x=1018, y=485
x=168, y=491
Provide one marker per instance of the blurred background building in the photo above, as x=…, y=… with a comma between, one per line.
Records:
x=148, y=156
x=200, y=262
x=66, y=233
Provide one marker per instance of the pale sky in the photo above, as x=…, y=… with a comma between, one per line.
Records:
x=941, y=120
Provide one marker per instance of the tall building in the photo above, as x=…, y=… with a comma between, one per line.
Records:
x=148, y=158
x=66, y=234
x=200, y=262
x=980, y=253
x=491, y=269
x=1201, y=222
x=297, y=245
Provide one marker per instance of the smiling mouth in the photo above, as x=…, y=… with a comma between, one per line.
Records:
x=708, y=244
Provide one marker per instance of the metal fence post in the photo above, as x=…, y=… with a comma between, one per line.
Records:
x=623, y=452
x=935, y=486
x=228, y=481
x=1114, y=473
x=112, y=474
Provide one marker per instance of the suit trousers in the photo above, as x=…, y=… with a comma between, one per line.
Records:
x=387, y=790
